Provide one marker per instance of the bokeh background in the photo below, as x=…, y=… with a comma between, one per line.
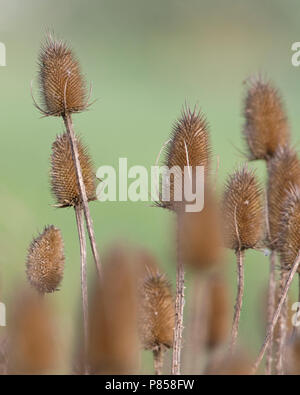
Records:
x=145, y=59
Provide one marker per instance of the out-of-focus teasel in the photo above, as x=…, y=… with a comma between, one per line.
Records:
x=33, y=336
x=266, y=125
x=113, y=334
x=156, y=316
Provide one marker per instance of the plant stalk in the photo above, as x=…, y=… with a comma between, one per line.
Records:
x=83, y=270
x=271, y=309
x=239, y=299
x=265, y=344
x=89, y=222
x=158, y=357
x=281, y=335
x=179, y=305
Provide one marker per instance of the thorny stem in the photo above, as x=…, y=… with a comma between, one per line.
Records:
x=271, y=309
x=158, y=357
x=239, y=299
x=84, y=289
x=276, y=314
x=282, y=328
x=89, y=222
x=179, y=305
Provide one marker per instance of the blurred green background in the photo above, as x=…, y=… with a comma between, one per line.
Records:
x=145, y=59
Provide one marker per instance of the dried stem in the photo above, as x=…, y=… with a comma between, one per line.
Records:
x=271, y=309
x=179, y=305
x=239, y=299
x=282, y=328
x=84, y=289
x=158, y=356
x=89, y=222
x=292, y=273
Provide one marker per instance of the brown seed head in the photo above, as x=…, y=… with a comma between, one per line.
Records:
x=63, y=175
x=45, y=260
x=113, y=340
x=284, y=172
x=243, y=212
x=289, y=230
x=266, y=127
x=189, y=146
x=157, y=313
x=62, y=85
x=33, y=345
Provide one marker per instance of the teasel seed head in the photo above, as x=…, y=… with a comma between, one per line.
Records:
x=63, y=89
x=113, y=338
x=33, y=338
x=189, y=146
x=289, y=229
x=63, y=175
x=243, y=211
x=266, y=125
x=284, y=173
x=45, y=261
x=156, y=312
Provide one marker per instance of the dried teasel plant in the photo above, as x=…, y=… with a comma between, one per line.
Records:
x=188, y=149
x=67, y=194
x=283, y=172
x=266, y=125
x=156, y=316
x=113, y=334
x=243, y=216
x=45, y=261
x=64, y=93
x=33, y=338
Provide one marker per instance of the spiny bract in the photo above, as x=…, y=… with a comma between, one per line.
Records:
x=45, y=260
x=266, y=127
x=62, y=86
x=243, y=212
x=63, y=175
x=284, y=172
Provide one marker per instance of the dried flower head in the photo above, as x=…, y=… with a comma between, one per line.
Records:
x=33, y=345
x=243, y=211
x=63, y=175
x=189, y=147
x=219, y=312
x=157, y=312
x=62, y=85
x=266, y=127
x=45, y=260
x=113, y=340
x=284, y=172
x=289, y=229
x=200, y=236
